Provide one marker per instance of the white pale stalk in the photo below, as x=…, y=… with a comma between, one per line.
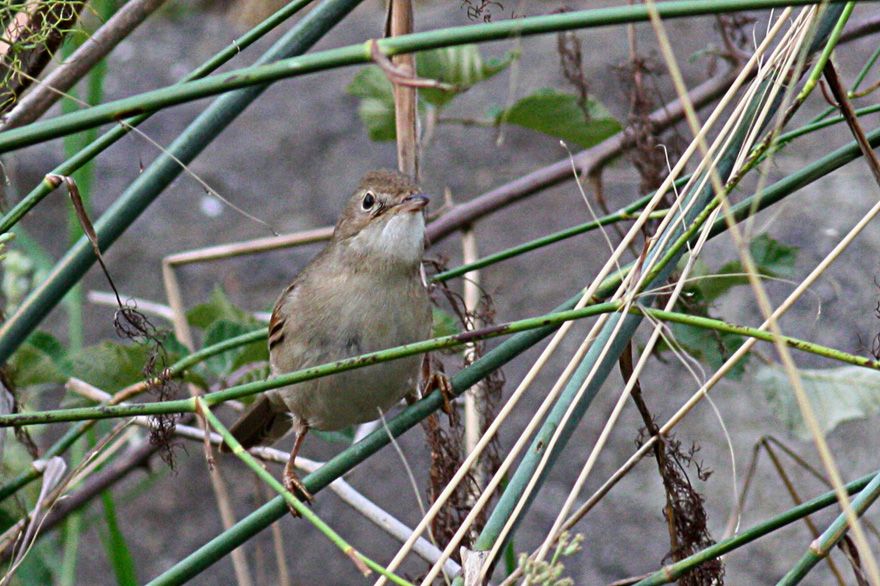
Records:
x=471, y=294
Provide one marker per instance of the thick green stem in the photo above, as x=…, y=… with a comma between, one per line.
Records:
x=441, y=343
x=361, y=53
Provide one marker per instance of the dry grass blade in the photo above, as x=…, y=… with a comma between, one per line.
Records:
x=53, y=473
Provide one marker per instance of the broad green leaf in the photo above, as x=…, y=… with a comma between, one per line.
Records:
x=713, y=286
x=376, y=109
x=772, y=257
x=41, y=359
x=461, y=66
x=227, y=362
x=836, y=395
x=710, y=346
x=216, y=308
x=558, y=114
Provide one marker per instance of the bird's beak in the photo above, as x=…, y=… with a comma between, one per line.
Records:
x=414, y=203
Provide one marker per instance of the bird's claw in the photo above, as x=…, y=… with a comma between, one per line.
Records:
x=440, y=382
x=294, y=486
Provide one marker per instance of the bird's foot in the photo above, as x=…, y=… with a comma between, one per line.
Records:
x=437, y=380
x=295, y=486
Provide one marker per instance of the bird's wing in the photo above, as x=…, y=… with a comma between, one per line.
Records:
x=278, y=319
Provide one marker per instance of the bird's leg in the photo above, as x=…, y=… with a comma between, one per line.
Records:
x=435, y=378
x=291, y=481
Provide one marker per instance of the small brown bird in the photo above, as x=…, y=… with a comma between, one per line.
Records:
x=362, y=293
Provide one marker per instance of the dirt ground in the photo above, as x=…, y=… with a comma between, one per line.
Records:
x=294, y=156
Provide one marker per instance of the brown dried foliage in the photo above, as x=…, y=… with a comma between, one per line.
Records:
x=571, y=60
x=647, y=154
x=446, y=435
x=33, y=33
x=685, y=513
x=482, y=10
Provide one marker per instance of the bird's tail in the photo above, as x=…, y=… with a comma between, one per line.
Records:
x=260, y=425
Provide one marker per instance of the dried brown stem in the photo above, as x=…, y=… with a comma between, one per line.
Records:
x=405, y=96
x=839, y=93
x=797, y=500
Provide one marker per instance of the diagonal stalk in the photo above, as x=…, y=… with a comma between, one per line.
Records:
x=674, y=571
x=444, y=342
x=822, y=546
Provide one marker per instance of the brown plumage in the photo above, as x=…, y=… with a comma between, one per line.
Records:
x=362, y=293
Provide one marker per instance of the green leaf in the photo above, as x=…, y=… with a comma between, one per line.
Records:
x=710, y=346
x=115, y=545
x=41, y=359
x=216, y=308
x=342, y=436
x=836, y=395
x=227, y=362
x=111, y=366
x=376, y=109
x=772, y=257
x=445, y=324
x=713, y=286
x=461, y=66
x=558, y=114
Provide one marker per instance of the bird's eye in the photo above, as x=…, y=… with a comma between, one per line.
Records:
x=369, y=201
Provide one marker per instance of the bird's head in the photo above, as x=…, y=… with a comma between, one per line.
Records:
x=384, y=218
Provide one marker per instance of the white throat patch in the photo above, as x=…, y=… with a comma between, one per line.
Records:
x=401, y=238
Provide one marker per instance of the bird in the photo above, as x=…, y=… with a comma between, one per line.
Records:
x=362, y=293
